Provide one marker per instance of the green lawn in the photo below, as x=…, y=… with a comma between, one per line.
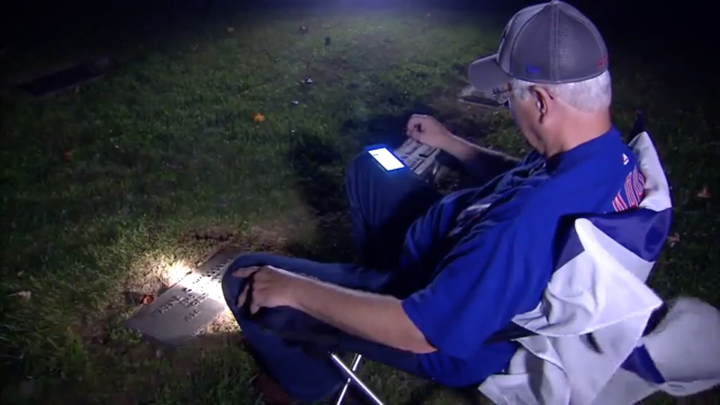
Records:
x=166, y=164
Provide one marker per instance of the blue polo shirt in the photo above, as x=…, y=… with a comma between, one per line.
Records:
x=490, y=250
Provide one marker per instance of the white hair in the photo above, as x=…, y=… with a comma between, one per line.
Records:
x=589, y=95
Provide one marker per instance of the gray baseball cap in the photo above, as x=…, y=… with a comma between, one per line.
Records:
x=546, y=43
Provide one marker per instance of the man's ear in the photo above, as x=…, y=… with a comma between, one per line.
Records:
x=543, y=101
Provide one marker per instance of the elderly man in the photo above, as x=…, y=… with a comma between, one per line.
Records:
x=438, y=275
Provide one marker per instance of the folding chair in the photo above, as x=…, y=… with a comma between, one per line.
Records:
x=512, y=332
x=352, y=378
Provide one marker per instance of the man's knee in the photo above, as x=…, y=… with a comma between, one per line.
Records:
x=231, y=285
x=231, y=288
x=360, y=165
x=251, y=260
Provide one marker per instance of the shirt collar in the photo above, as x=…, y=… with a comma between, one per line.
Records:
x=609, y=141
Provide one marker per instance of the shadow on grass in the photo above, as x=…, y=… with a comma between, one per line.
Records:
x=387, y=129
x=217, y=368
x=210, y=368
x=428, y=390
x=227, y=377
x=320, y=166
x=319, y=173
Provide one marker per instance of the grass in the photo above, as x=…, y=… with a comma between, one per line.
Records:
x=106, y=189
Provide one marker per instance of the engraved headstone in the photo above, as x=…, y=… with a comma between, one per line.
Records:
x=473, y=96
x=191, y=304
x=67, y=78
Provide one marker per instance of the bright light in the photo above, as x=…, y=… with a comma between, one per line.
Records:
x=386, y=159
x=153, y=271
x=175, y=272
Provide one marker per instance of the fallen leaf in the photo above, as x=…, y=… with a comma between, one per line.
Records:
x=68, y=155
x=231, y=29
x=704, y=193
x=20, y=273
x=77, y=90
x=673, y=239
x=147, y=299
x=258, y=118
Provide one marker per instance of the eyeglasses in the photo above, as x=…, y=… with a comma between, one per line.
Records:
x=502, y=95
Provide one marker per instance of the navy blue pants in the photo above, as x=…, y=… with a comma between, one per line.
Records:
x=293, y=347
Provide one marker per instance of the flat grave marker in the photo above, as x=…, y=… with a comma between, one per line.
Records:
x=193, y=303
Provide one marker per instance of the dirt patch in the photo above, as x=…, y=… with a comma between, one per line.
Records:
x=218, y=234
x=153, y=274
x=268, y=239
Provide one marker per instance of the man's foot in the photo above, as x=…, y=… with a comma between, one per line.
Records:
x=271, y=391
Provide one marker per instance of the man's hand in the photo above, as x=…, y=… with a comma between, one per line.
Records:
x=482, y=163
x=429, y=131
x=271, y=287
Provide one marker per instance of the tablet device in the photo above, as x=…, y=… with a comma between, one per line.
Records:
x=385, y=158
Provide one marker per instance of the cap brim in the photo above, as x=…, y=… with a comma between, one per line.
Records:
x=486, y=75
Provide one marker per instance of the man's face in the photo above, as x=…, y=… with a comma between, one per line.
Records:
x=534, y=116
x=524, y=113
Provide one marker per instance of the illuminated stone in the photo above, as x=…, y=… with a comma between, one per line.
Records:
x=187, y=307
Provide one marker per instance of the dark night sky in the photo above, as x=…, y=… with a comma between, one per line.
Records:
x=682, y=29
x=643, y=13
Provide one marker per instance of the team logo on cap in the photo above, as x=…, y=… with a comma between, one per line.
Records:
x=602, y=61
x=626, y=160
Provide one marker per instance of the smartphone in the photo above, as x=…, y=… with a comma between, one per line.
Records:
x=386, y=159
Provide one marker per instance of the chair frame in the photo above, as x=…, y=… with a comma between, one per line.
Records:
x=353, y=378
x=638, y=127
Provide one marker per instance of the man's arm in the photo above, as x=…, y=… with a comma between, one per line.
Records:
x=481, y=163
x=374, y=317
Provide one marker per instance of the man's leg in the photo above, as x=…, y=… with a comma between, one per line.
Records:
x=293, y=347
x=382, y=208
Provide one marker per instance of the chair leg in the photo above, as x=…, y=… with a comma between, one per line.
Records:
x=350, y=373
x=353, y=367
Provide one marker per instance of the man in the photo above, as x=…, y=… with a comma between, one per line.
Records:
x=440, y=275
